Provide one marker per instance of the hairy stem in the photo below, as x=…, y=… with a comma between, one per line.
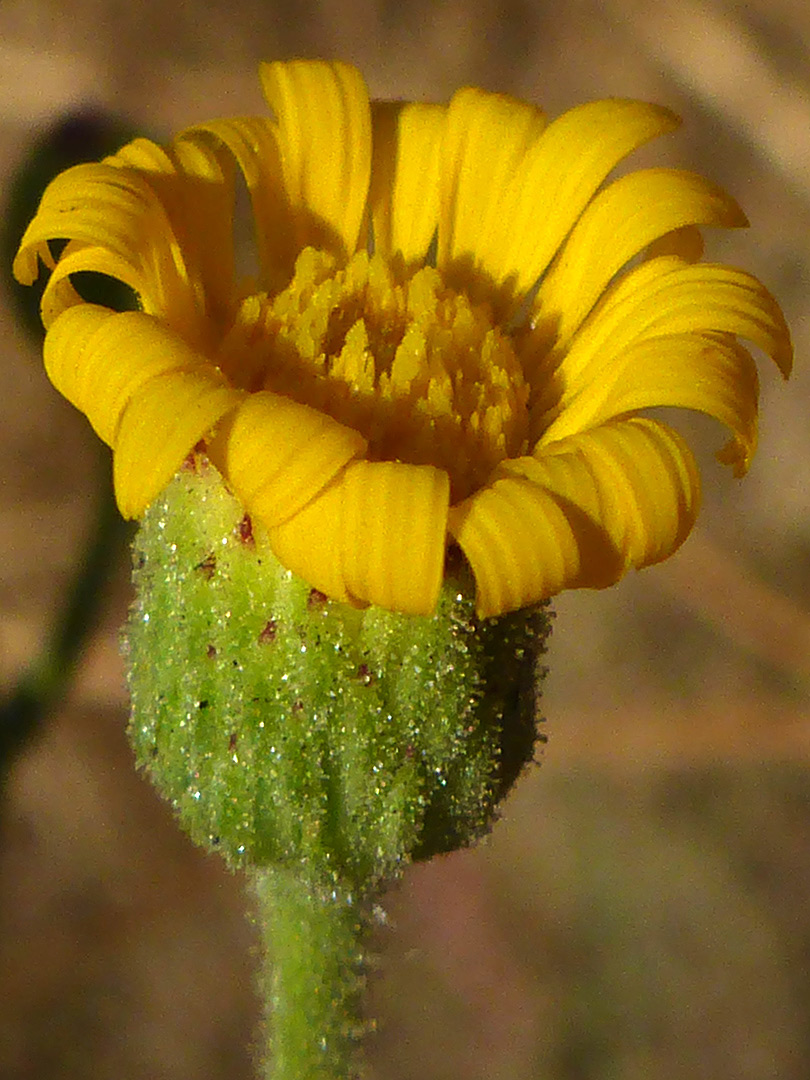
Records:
x=312, y=977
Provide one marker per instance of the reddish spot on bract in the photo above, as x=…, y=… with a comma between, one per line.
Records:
x=246, y=530
x=365, y=674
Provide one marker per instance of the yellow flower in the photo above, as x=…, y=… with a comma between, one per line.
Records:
x=394, y=380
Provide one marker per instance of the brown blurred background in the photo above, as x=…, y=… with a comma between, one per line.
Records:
x=642, y=909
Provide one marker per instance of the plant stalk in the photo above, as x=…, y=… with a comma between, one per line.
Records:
x=312, y=977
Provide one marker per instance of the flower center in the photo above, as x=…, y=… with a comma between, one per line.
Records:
x=416, y=367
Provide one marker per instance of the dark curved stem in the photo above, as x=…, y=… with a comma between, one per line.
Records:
x=48, y=677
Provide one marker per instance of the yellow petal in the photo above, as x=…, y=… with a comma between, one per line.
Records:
x=277, y=454
x=394, y=528
x=113, y=209
x=404, y=193
x=201, y=202
x=98, y=359
x=324, y=134
x=519, y=542
x=649, y=483
x=557, y=179
x=162, y=423
x=375, y=535
x=625, y=494
x=194, y=183
x=95, y=203
x=665, y=296
x=620, y=222
x=486, y=139
x=710, y=373
x=310, y=543
x=253, y=144
x=59, y=293
x=685, y=242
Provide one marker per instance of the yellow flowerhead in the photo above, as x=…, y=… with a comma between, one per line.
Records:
x=395, y=380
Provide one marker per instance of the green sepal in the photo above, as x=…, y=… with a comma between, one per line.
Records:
x=291, y=730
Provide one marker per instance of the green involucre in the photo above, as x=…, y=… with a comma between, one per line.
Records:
x=291, y=730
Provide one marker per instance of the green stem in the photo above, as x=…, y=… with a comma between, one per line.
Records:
x=313, y=976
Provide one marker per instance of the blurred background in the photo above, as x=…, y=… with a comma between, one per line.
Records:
x=642, y=910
